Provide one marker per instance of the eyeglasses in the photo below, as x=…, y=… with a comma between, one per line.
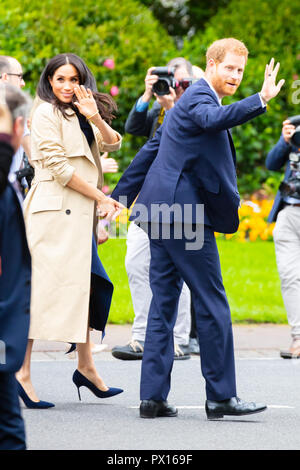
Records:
x=20, y=75
x=185, y=83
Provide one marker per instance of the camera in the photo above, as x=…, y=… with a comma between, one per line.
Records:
x=26, y=172
x=295, y=139
x=291, y=187
x=166, y=79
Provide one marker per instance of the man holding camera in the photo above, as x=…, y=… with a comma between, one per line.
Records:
x=144, y=122
x=166, y=84
x=286, y=213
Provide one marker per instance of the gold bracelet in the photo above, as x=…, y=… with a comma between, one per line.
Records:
x=90, y=117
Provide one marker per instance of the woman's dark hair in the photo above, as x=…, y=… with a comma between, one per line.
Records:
x=106, y=105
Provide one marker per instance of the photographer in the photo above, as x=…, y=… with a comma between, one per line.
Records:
x=144, y=122
x=286, y=213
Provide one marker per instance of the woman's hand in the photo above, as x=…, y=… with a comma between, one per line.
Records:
x=102, y=235
x=108, y=208
x=108, y=165
x=85, y=103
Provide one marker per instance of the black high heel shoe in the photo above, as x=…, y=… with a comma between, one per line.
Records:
x=80, y=380
x=32, y=404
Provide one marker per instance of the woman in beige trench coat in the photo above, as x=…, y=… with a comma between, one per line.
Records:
x=69, y=127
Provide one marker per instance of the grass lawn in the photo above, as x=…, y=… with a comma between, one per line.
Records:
x=251, y=281
x=249, y=274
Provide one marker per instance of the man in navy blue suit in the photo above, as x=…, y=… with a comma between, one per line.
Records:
x=188, y=165
x=15, y=271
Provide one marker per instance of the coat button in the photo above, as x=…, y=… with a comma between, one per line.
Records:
x=68, y=211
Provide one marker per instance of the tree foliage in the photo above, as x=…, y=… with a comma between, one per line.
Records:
x=184, y=17
x=126, y=32
x=269, y=29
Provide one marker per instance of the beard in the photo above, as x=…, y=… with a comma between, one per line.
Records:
x=223, y=87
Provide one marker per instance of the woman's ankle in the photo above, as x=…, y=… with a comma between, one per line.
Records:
x=23, y=377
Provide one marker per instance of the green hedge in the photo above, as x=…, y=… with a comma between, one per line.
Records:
x=125, y=31
x=269, y=28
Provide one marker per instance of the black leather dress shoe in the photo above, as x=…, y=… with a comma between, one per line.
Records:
x=154, y=409
x=232, y=407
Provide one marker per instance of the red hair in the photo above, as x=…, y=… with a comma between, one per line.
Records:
x=218, y=49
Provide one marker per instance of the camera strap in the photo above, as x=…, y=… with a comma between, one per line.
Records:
x=160, y=120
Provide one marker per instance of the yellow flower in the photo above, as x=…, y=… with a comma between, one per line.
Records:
x=264, y=235
x=242, y=236
x=253, y=235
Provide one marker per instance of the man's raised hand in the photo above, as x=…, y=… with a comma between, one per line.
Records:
x=270, y=89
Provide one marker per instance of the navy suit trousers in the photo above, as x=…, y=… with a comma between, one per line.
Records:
x=12, y=432
x=200, y=269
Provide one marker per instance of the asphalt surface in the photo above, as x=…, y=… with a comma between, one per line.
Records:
x=114, y=423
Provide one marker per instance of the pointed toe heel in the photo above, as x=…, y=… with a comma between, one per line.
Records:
x=32, y=404
x=81, y=381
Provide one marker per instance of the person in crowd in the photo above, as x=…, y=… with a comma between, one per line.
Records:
x=143, y=121
x=71, y=291
x=286, y=213
x=15, y=269
x=191, y=162
x=11, y=72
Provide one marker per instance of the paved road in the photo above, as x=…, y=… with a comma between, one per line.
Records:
x=114, y=423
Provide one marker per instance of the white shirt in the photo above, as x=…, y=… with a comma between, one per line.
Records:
x=212, y=88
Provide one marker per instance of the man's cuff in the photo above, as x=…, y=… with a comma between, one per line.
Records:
x=263, y=102
x=141, y=105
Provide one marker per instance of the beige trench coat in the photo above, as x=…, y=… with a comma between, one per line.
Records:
x=59, y=224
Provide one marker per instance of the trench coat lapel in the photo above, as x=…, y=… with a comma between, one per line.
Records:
x=74, y=140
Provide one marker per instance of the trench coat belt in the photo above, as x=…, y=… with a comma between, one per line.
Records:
x=42, y=174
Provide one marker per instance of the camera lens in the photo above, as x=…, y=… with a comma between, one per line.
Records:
x=161, y=87
x=295, y=139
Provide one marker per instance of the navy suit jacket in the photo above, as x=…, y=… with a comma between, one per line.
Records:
x=276, y=159
x=143, y=123
x=15, y=283
x=191, y=160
